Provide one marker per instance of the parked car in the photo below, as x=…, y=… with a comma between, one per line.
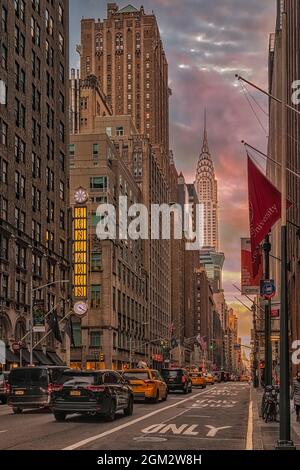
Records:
x=4, y=387
x=147, y=384
x=210, y=379
x=198, y=379
x=102, y=393
x=177, y=379
x=30, y=387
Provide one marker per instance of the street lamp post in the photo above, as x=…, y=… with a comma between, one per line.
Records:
x=32, y=291
x=284, y=441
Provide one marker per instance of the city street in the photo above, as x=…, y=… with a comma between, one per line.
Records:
x=212, y=419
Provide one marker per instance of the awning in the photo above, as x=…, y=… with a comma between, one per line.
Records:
x=56, y=360
x=11, y=357
x=26, y=357
x=42, y=359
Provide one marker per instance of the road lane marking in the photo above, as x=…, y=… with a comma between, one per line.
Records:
x=249, y=442
x=3, y=431
x=214, y=431
x=131, y=423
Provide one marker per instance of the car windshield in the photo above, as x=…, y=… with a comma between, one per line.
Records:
x=137, y=375
x=170, y=373
x=70, y=380
x=26, y=377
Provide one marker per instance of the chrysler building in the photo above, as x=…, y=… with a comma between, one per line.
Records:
x=207, y=191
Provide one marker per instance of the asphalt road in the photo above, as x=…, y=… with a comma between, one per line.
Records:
x=214, y=419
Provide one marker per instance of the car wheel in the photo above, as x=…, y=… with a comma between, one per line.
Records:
x=4, y=400
x=129, y=410
x=191, y=389
x=111, y=416
x=185, y=390
x=156, y=399
x=17, y=411
x=60, y=416
x=166, y=396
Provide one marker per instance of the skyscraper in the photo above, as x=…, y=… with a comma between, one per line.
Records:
x=125, y=53
x=34, y=197
x=207, y=191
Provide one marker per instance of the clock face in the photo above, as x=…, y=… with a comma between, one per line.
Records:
x=80, y=308
x=81, y=196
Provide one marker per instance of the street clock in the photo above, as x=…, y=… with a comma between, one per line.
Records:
x=80, y=308
x=81, y=196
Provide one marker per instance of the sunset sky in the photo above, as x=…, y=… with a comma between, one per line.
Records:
x=206, y=44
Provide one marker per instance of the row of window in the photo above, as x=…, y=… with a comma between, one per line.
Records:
x=21, y=251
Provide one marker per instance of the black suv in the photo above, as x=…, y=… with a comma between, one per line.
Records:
x=177, y=379
x=30, y=387
x=102, y=393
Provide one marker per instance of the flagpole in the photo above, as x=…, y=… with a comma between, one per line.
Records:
x=50, y=330
x=284, y=441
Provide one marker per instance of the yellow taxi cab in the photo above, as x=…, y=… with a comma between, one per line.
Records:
x=210, y=380
x=198, y=379
x=147, y=384
x=244, y=378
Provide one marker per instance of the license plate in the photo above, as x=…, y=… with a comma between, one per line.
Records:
x=19, y=392
x=75, y=393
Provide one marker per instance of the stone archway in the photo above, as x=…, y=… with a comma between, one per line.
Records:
x=20, y=329
x=6, y=329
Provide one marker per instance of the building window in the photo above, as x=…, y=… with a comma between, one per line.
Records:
x=20, y=218
x=61, y=44
x=61, y=132
x=3, y=135
x=36, y=166
x=36, y=5
x=19, y=42
x=4, y=286
x=61, y=73
x=35, y=32
x=95, y=296
x=3, y=247
x=96, y=261
x=99, y=183
x=60, y=14
x=4, y=209
x=62, y=248
x=62, y=161
x=21, y=256
x=36, y=265
x=62, y=190
x=95, y=150
x=19, y=114
x=61, y=102
x=72, y=150
x=95, y=337
x=4, y=171
x=4, y=57
x=62, y=220
x=4, y=19
x=120, y=131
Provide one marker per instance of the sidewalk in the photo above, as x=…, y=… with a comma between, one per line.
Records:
x=265, y=435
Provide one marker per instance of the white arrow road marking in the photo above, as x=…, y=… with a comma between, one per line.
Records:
x=213, y=431
x=3, y=431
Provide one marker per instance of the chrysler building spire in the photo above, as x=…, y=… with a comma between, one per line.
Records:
x=207, y=190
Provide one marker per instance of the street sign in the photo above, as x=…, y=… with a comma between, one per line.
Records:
x=267, y=288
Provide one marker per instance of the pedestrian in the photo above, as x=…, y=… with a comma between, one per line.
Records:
x=296, y=395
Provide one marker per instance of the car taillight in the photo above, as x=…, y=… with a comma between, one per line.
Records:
x=95, y=388
x=54, y=388
x=7, y=388
x=183, y=379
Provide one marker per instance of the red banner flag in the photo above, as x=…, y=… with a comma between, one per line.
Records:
x=251, y=269
x=264, y=205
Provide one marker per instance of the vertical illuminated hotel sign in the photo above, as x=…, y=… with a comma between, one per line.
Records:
x=80, y=246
